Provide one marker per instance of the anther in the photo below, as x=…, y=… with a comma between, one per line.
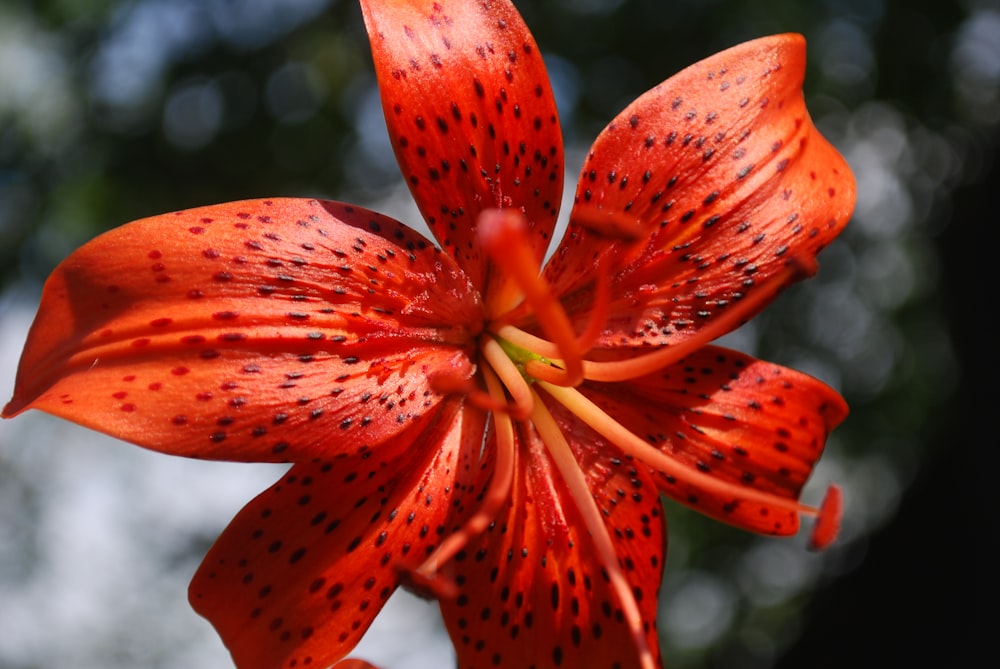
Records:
x=827, y=516
x=430, y=587
x=611, y=226
x=827, y=525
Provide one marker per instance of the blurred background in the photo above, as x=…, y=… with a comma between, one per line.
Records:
x=111, y=110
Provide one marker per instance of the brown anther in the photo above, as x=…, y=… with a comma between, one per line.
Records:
x=433, y=586
x=612, y=226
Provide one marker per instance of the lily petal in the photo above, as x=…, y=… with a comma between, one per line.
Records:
x=749, y=424
x=260, y=330
x=471, y=115
x=531, y=593
x=699, y=192
x=301, y=572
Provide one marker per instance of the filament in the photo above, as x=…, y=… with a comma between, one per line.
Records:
x=557, y=446
x=528, y=341
x=425, y=578
x=631, y=444
x=449, y=384
x=510, y=375
x=646, y=363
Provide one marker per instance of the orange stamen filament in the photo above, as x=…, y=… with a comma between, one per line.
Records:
x=730, y=319
x=635, y=446
x=553, y=373
x=595, y=325
x=494, y=498
x=510, y=375
x=504, y=236
x=528, y=341
x=557, y=446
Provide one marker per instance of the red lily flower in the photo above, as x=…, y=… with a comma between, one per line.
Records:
x=460, y=421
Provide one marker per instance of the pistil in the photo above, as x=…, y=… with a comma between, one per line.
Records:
x=503, y=234
x=543, y=348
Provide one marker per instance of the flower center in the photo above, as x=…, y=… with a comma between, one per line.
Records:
x=516, y=367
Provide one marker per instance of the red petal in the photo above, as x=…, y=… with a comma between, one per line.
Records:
x=258, y=330
x=720, y=177
x=747, y=423
x=532, y=593
x=471, y=116
x=301, y=572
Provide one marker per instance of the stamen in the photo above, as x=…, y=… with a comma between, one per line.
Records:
x=827, y=525
x=425, y=579
x=452, y=384
x=595, y=324
x=633, y=445
x=612, y=226
x=511, y=377
x=557, y=446
x=527, y=341
x=640, y=365
x=503, y=234
x=541, y=371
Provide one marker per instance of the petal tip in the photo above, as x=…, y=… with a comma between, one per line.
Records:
x=13, y=408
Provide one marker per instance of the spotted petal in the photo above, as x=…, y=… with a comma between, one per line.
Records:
x=531, y=592
x=749, y=425
x=471, y=115
x=699, y=193
x=258, y=330
x=301, y=572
